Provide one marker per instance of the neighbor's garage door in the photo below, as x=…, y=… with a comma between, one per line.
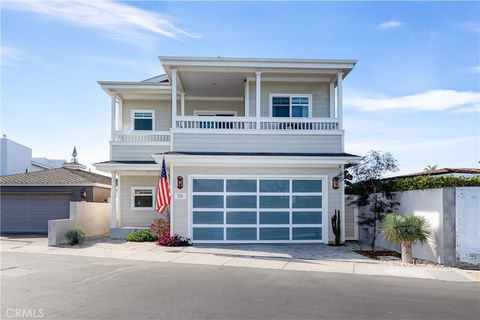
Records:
x=30, y=213
x=258, y=210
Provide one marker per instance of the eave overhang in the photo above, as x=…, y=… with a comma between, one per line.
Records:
x=224, y=64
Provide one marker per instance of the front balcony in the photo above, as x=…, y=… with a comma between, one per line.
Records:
x=230, y=125
x=231, y=134
x=260, y=124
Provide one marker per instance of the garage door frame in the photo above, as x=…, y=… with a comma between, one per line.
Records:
x=324, y=209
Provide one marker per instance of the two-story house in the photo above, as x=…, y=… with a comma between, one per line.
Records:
x=254, y=148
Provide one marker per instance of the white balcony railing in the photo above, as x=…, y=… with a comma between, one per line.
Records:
x=252, y=123
x=143, y=137
x=230, y=124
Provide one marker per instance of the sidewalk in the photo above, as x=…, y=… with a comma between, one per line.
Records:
x=311, y=258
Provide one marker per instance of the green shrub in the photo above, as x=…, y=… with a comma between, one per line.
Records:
x=75, y=236
x=429, y=182
x=142, y=236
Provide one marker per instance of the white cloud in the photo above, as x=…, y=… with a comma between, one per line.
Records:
x=392, y=24
x=469, y=26
x=476, y=69
x=433, y=100
x=10, y=55
x=117, y=20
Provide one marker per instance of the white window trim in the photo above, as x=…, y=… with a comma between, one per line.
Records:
x=132, y=197
x=325, y=209
x=212, y=113
x=132, y=117
x=290, y=95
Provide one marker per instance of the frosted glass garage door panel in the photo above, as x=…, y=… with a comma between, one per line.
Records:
x=241, y=185
x=207, y=201
x=242, y=234
x=208, y=185
x=308, y=217
x=212, y=234
x=274, y=234
x=241, y=217
x=306, y=185
x=307, y=233
x=306, y=201
x=207, y=217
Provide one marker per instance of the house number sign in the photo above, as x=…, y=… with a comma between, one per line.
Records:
x=180, y=196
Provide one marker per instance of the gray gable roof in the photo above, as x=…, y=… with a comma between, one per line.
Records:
x=55, y=177
x=157, y=79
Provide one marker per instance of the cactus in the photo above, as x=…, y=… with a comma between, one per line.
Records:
x=336, y=227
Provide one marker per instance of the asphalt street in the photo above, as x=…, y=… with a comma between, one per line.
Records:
x=74, y=287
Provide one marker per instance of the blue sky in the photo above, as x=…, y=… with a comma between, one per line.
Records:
x=414, y=92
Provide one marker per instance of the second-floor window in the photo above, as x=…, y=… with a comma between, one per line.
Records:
x=293, y=106
x=143, y=119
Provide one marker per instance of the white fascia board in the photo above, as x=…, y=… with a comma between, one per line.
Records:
x=253, y=161
x=113, y=86
x=267, y=65
x=109, y=167
x=177, y=60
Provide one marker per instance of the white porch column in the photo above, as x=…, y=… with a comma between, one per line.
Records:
x=247, y=98
x=258, y=96
x=340, y=100
x=182, y=103
x=120, y=114
x=332, y=99
x=174, y=97
x=113, y=200
x=114, y=115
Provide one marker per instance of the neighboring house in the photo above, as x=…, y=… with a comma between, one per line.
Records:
x=456, y=172
x=29, y=200
x=254, y=148
x=17, y=158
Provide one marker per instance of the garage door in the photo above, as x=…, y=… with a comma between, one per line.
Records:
x=30, y=213
x=241, y=210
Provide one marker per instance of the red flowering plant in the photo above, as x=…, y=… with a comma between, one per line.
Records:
x=161, y=226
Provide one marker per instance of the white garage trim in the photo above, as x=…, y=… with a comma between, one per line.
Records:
x=290, y=193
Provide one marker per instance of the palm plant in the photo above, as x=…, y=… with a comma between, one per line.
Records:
x=405, y=230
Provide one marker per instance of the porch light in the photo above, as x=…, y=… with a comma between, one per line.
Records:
x=179, y=182
x=335, y=183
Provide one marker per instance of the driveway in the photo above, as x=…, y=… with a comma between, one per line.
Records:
x=295, y=257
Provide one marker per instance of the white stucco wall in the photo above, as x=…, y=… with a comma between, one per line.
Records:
x=15, y=158
x=92, y=217
x=428, y=204
x=453, y=215
x=467, y=213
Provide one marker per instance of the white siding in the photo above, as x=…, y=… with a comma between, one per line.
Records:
x=257, y=142
x=180, y=207
x=214, y=105
x=132, y=152
x=320, y=95
x=135, y=218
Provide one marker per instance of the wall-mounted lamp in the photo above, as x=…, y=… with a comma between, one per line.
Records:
x=179, y=182
x=335, y=183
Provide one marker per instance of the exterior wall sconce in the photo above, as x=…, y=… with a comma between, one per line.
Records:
x=335, y=183
x=179, y=182
x=83, y=195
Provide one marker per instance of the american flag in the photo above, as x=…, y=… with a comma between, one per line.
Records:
x=163, y=191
